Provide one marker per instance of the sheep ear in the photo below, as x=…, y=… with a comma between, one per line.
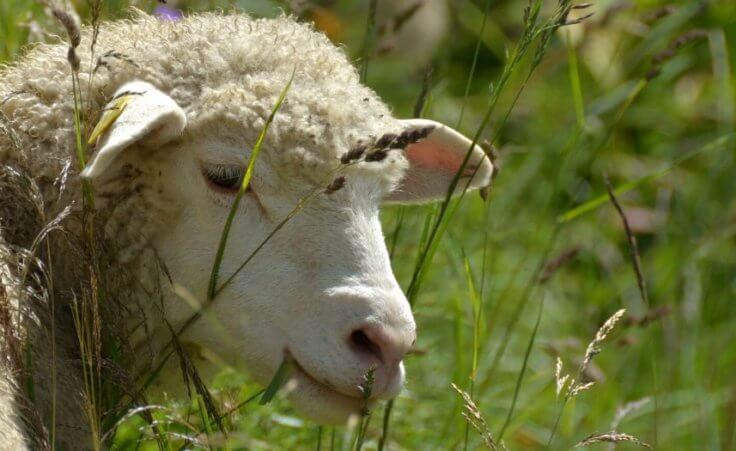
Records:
x=138, y=114
x=434, y=161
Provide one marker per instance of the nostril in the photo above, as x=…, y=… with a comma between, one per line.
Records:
x=361, y=342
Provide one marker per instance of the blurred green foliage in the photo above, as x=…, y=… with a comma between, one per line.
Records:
x=642, y=91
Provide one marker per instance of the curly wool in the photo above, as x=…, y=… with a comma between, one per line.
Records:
x=219, y=69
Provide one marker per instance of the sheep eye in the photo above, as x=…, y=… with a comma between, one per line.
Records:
x=221, y=177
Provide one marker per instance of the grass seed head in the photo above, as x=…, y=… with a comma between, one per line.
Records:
x=474, y=417
x=366, y=391
x=376, y=155
x=580, y=387
x=594, y=346
x=561, y=381
x=386, y=140
x=353, y=154
x=70, y=26
x=336, y=185
x=611, y=437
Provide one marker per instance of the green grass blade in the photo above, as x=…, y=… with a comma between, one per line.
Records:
x=602, y=199
x=303, y=201
x=722, y=75
x=532, y=31
x=278, y=380
x=212, y=287
x=520, y=378
x=577, y=90
x=368, y=39
x=205, y=417
x=385, y=425
x=477, y=306
x=473, y=66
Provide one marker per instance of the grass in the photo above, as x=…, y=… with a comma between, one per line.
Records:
x=563, y=112
x=213, y=287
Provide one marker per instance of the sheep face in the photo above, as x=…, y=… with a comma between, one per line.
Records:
x=317, y=289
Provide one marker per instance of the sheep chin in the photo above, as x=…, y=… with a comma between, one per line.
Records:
x=319, y=403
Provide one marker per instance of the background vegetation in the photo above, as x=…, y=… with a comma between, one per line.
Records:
x=641, y=91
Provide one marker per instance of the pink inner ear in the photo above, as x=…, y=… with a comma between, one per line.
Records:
x=429, y=154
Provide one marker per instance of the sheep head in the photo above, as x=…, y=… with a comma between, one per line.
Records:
x=320, y=289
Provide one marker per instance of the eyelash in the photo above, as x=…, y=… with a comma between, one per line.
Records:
x=224, y=178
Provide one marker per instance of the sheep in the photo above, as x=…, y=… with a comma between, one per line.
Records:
x=178, y=107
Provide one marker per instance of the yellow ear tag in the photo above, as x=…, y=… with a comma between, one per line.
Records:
x=109, y=116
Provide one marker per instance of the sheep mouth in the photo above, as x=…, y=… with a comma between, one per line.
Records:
x=321, y=383
x=319, y=400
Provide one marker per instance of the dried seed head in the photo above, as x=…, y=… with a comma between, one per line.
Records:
x=366, y=390
x=376, y=155
x=577, y=388
x=353, y=154
x=386, y=140
x=366, y=387
x=421, y=133
x=578, y=20
x=402, y=140
x=611, y=437
x=474, y=417
x=335, y=185
x=70, y=25
x=560, y=379
x=608, y=326
x=412, y=136
x=594, y=346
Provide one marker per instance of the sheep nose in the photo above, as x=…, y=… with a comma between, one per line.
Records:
x=384, y=345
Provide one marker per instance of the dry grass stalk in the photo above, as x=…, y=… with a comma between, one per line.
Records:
x=389, y=28
x=633, y=248
x=192, y=378
x=551, y=267
x=418, y=110
x=667, y=54
x=649, y=317
x=475, y=418
x=611, y=437
x=7, y=130
x=368, y=39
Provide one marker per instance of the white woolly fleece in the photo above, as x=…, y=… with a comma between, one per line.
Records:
x=218, y=69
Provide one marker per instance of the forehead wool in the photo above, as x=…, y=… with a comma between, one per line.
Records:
x=219, y=69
